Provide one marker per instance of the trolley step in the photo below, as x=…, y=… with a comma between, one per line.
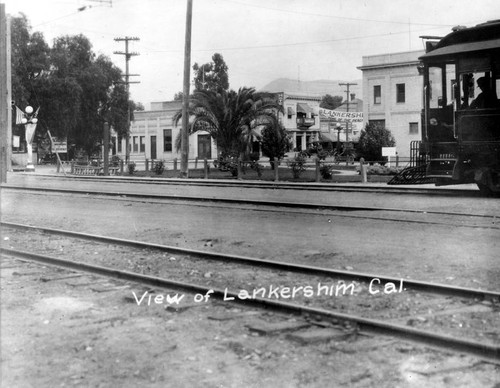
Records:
x=411, y=176
x=441, y=168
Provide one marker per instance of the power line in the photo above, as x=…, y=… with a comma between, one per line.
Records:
x=297, y=43
x=333, y=16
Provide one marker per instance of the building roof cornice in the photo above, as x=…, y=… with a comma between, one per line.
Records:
x=300, y=97
x=385, y=65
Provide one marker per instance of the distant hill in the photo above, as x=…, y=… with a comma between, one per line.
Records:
x=319, y=88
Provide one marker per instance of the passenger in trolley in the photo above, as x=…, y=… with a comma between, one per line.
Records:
x=487, y=98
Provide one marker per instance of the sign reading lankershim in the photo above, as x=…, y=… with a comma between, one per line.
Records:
x=351, y=117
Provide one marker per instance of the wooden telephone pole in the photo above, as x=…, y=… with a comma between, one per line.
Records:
x=348, y=84
x=5, y=97
x=185, y=92
x=127, y=82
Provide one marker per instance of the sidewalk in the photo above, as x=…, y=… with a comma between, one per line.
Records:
x=344, y=178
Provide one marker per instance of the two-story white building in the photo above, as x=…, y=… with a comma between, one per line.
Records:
x=300, y=118
x=392, y=95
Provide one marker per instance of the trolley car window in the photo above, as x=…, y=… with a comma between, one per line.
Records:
x=435, y=86
x=470, y=90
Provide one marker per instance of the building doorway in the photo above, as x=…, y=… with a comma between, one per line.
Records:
x=204, y=147
x=153, y=147
x=298, y=142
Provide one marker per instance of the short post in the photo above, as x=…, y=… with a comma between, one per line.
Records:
x=58, y=163
x=121, y=166
x=397, y=159
x=72, y=166
x=276, y=167
x=205, y=168
x=147, y=165
x=175, y=164
x=362, y=170
x=240, y=172
x=317, y=169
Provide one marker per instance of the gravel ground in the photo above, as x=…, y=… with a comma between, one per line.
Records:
x=112, y=342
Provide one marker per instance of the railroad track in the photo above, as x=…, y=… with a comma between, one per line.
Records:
x=226, y=279
x=307, y=186
x=472, y=220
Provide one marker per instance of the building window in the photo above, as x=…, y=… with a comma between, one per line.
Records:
x=413, y=129
x=167, y=140
x=119, y=145
x=135, y=145
x=142, y=144
x=377, y=94
x=377, y=123
x=400, y=93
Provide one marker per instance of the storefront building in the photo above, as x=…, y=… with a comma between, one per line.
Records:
x=392, y=95
x=153, y=136
x=300, y=118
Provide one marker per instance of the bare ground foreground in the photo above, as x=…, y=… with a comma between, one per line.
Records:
x=64, y=329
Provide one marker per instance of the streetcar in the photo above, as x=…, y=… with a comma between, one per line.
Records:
x=461, y=111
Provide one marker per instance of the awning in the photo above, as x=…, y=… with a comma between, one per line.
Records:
x=329, y=136
x=302, y=107
x=290, y=111
x=462, y=48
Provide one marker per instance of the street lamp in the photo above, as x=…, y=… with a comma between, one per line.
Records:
x=29, y=121
x=338, y=128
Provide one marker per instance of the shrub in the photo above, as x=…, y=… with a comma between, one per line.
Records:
x=131, y=168
x=159, y=167
x=371, y=141
x=297, y=165
x=228, y=163
x=304, y=154
x=322, y=154
x=258, y=168
x=254, y=156
x=326, y=171
x=378, y=169
x=115, y=161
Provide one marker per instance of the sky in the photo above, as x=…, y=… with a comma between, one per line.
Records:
x=260, y=40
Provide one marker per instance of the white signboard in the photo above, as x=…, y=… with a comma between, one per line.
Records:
x=59, y=145
x=351, y=117
x=16, y=141
x=388, y=151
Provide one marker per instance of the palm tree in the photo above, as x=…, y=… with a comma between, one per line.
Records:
x=230, y=117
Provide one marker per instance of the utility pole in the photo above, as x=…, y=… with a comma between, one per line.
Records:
x=5, y=96
x=185, y=94
x=127, y=82
x=347, y=84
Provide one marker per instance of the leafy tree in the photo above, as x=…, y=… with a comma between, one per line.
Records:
x=101, y=97
x=275, y=142
x=211, y=76
x=230, y=117
x=76, y=91
x=178, y=96
x=29, y=58
x=371, y=141
x=330, y=102
x=137, y=106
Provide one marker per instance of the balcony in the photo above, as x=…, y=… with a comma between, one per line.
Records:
x=305, y=122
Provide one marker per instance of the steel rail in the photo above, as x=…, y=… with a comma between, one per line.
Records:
x=436, y=288
x=310, y=186
x=480, y=349
x=301, y=205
